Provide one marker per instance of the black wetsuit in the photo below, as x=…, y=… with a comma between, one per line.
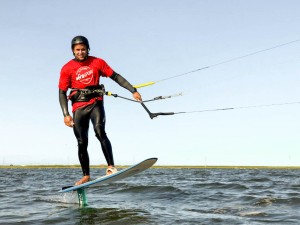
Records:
x=94, y=112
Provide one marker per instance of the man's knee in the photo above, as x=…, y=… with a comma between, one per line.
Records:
x=82, y=143
x=100, y=133
x=101, y=136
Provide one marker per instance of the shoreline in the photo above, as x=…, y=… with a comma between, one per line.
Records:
x=154, y=167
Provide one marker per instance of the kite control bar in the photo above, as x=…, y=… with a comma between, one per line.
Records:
x=152, y=115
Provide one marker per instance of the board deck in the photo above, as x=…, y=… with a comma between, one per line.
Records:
x=130, y=171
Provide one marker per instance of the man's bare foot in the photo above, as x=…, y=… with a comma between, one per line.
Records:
x=83, y=180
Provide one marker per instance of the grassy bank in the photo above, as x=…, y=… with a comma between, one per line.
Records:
x=157, y=167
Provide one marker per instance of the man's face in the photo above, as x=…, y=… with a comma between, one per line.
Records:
x=80, y=52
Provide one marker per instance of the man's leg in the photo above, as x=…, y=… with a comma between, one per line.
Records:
x=98, y=120
x=81, y=128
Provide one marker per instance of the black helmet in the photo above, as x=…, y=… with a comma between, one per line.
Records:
x=80, y=40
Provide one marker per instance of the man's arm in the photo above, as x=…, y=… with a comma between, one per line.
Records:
x=63, y=101
x=125, y=84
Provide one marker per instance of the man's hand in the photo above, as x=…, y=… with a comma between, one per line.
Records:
x=137, y=96
x=69, y=121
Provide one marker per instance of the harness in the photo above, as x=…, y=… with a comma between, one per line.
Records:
x=86, y=94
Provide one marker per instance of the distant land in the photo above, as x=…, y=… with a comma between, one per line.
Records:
x=156, y=167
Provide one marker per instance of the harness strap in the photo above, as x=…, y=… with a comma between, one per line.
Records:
x=86, y=94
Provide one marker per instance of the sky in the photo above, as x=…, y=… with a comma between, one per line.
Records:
x=150, y=41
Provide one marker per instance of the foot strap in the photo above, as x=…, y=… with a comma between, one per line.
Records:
x=111, y=170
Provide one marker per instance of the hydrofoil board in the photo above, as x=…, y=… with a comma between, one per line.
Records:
x=128, y=172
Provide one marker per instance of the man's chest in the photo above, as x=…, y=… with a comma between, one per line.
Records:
x=84, y=76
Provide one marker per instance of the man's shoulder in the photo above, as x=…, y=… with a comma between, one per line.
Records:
x=97, y=59
x=68, y=65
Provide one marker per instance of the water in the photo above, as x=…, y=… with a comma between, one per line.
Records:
x=156, y=196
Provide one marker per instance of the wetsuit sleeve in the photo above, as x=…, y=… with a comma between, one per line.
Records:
x=63, y=102
x=122, y=82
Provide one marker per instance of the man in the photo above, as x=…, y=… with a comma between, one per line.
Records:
x=82, y=75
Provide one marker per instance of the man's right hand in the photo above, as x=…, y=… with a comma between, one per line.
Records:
x=69, y=121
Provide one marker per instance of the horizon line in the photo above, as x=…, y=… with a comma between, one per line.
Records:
x=155, y=167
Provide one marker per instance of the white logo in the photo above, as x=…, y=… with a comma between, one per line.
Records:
x=84, y=75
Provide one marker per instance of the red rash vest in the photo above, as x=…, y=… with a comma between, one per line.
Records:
x=79, y=75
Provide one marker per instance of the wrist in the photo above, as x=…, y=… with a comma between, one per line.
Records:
x=134, y=90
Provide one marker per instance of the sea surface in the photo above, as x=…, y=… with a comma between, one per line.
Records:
x=156, y=196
